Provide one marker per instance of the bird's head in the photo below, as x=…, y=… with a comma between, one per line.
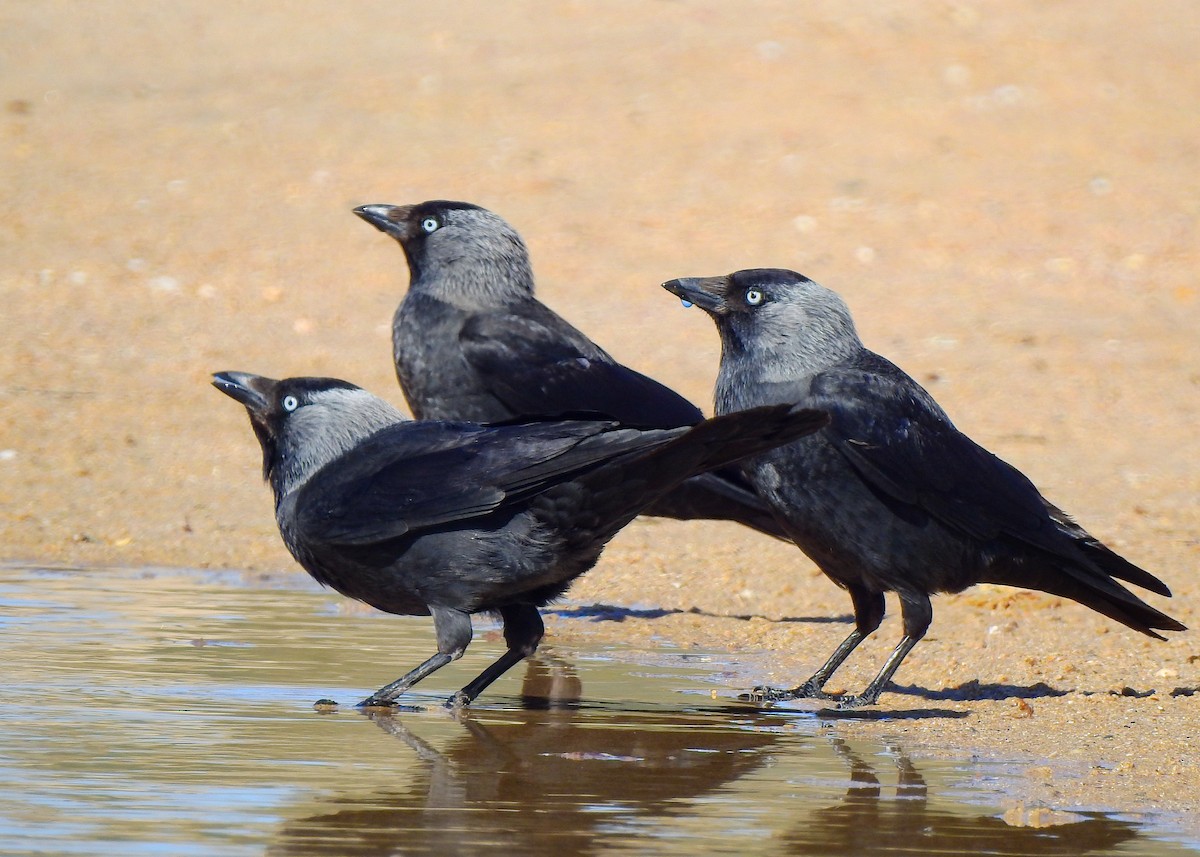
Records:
x=304, y=423
x=780, y=318
x=457, y=251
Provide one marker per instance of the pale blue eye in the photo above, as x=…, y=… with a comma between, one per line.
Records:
x=290, y=403
x=754, y=297
x=430, y=224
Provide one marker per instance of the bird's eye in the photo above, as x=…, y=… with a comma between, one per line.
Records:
x=430, y=224
x=290, y=403
x=754, y=297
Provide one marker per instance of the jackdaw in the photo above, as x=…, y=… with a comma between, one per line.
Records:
x=453, y=518
x=890, y=497
x=471, y=342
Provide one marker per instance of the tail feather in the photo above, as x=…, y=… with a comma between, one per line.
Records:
x=1102, y=594
x=717, y=496
x=1100, y=558
x=629, y=483
x=730, y=437
x=1117, y=566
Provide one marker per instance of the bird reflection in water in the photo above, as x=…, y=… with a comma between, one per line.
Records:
x=867, y=821
x=555, y=776
x=564, y=776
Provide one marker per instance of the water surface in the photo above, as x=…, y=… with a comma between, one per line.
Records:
x=167, y=712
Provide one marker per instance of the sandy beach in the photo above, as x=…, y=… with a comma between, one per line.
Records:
x=1008, y=197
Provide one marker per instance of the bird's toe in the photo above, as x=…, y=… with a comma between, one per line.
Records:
x=849, y=703
x=762, y=693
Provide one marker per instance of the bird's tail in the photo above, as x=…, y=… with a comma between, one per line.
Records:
x=628, y=483
x=1094, y=587
x=1101, y=558
x=728, y=438
x=719, y=495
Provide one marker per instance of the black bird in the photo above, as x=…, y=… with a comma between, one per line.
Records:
x=890, y=497
x=471, y=342
x=451, y=518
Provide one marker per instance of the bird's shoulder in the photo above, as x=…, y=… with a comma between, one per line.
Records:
x=416, y=476
x=398, y=480
x=529, y=329
x=902, y=443
x=872, y=396
x=536, y=363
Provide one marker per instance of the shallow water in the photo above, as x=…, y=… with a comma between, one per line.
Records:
x=167, y=712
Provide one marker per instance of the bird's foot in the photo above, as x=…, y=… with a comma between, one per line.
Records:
x=762, y=693
x=458, y=702
x=765, y=694
x=377, y=701
x=849, y=703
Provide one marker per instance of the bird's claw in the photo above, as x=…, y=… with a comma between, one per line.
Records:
x=377, y=702
x=849, y=703
x=762, y=693
x=808, y=690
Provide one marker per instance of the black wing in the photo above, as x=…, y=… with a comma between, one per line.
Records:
x=538, y=364
x=416, y=476
x=902, y=443
x=904, y=446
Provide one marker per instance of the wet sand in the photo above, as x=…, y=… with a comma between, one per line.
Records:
x=1007, y=198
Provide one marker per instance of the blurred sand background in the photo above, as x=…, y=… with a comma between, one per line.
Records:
x=1008, y=196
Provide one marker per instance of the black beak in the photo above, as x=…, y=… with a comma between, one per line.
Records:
x=708, y=293
x=392, y=220
x=251, y=390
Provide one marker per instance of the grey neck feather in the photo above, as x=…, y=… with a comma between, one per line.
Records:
x=317, y=433
x=788, y=342
x=484, y=266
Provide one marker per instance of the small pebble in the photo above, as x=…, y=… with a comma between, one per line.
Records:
x=1061, y=265
x=957, y=75
x=769, y=51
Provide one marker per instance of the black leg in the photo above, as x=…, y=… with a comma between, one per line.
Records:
x=453, y=631
x=523, y=630
x=918, y=613
x=869, y=609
